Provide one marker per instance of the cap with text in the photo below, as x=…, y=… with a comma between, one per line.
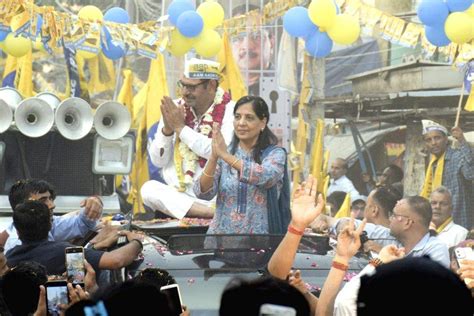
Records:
x=429, y=126
x=201, y=69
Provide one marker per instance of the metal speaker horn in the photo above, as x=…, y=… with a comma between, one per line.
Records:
x=34, y=117
x=74, y=118
x=49, y=97
x=6, y=116
x=112, y=120
x=11, y=97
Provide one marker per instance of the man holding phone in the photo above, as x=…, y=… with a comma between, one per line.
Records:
x=32, y=220
x=63, y=227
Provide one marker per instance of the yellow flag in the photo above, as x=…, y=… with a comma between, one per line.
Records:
x=102, y=74
x=301, y=132
x=24, y=77
x=232, y=80
x=470, y=102
x=317, y=155
x=9, y=72
x=325, y=193
x=125, y=95
x=146, y=107
x=345, y=209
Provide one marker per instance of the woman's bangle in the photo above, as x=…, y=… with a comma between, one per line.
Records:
x=206, y=174
x=139, y=242
x=295, y=231
x=340, y=266
x=235, y=161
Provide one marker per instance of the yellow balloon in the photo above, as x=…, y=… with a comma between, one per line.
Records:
x=459, y=27
x=322, y=13
x=208, y=43
x=212, y=14
x=179, y=44
x=91, y=13
x=345, y=30
x=470, y=11
x=17, y=46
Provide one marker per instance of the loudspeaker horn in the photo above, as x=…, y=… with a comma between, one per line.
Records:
x=74, y=118
x=6, y=116
x=112, y=120
x=34, y=117
x=51, y=98
x=11, y=97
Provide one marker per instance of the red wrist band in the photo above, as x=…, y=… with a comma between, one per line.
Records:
x=340, y=266
x=295, y=231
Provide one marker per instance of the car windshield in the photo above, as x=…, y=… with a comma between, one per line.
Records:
x=204, y=264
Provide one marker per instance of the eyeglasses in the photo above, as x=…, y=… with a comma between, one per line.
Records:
x=190, y=87
x=399, y=216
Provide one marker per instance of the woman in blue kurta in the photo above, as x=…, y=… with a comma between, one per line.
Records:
x=248, y=177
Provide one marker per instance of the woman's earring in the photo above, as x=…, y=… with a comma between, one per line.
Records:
x=261, y=131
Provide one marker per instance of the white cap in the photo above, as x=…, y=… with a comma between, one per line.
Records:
x=429, y=126
x=201, y=69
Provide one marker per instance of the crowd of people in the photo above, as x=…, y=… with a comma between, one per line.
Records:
x=220, y=160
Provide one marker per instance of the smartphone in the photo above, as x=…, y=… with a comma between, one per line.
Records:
x=174, y=296
x=122, y=240
x=464, y=253
x=56, y=294
x=75, y=265
x=276, y=310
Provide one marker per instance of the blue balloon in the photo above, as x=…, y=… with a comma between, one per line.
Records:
x=297, y=23
x=178, y=7
x=111, y=50
x=117, y=15
x=458, y=5
x=432, y=12
x=318, y=44
x=190, y=24
x=436, y=35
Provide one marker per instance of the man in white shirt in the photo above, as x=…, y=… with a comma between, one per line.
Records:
x=442, y=221
x=339, y=181
x=182, y=143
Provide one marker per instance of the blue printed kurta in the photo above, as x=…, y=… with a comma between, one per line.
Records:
x=241, y=206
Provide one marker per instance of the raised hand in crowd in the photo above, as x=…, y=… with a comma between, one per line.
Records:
x=303, y=211
x=92, y=207
x=466, y=272
x=41, y=308
x=457, y=133
x=294, y=278
x=348, y=241
x=305, y=207
x=90, y=281
x=390, y=253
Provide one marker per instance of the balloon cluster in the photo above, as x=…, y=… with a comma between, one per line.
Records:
x=320, y=25
x=447, y=21
x=195, y=28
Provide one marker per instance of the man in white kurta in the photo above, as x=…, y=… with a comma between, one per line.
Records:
x=182, y=142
